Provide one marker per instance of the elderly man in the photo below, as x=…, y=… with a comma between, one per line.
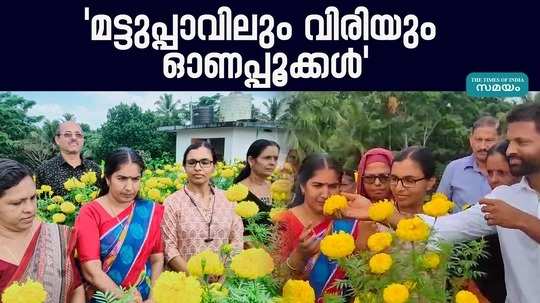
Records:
x=464, y=180
x=69, y=163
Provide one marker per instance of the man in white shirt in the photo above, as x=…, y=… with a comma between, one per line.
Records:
x=511, y=211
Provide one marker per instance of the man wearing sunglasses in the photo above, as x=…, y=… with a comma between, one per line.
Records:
x=69, y=162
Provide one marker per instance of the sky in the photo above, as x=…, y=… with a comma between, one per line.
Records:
x=91, y=107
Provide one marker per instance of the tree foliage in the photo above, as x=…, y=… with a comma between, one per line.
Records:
x=128, y=125
x=346, y=124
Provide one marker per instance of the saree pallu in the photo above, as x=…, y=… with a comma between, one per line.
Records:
x=126, y=246
x=324, y=272
x=48, y=260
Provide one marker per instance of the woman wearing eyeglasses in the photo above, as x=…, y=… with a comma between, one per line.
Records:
x=199, y=216
x=374, y=174
x=411, y=178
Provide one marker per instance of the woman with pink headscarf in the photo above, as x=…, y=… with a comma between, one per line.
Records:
x=374, y=174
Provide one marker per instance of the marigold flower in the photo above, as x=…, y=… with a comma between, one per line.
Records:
x=379, y=241
x=246, y=209
x=276, y=213
x=395, y=293
x=237, y=192
x=431, y=260
x=381, y=210
x=58, y=218
x=89, y=178
x=464, y=296
x=252, y=263
x=414, y=229
x=337, y=245
x=46, y=189
x=154, y=194
x=52, y=207
x=227, y=173
x=68, y=207
x=175, y=287
x=298, y=291
x=380, y=263
x=27, y=292
x=205, y=263
x=334, y=204
x=439, y=205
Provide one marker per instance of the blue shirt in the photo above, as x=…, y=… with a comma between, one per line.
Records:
x=463, y=182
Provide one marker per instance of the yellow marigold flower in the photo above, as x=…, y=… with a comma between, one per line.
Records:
x=237, y=192
x=68, y=185
x=439, y=195
x=46, y=189
x=58, y=218
x=175, y=287
x=154, y=194
x=298, y=291
x=252, y=263
x=168, y=167
x=334, y=204
x=438, y=206
x=227, y=173
x=381, y=210
x=464, y=296
x=246, y=209
x=27, y=292
x=205, y=263
x=395, y=293
x=337, y=245
x=431, y=260
x=152, y=183
x=379, y=241
x=147, y=173
x=57, y=199
x=67, y=208
x=281, y=186
x=166, y=181
x=39, y=192
x=160, y=172
x=276, y=213
x=80, y=198
x=89, y=178
x=414, y=229
x=380, y=263
x=280, y=197
x=179, y=185
x=52, y=207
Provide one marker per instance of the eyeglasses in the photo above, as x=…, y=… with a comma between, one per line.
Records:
x=370, y=179
x=70, y=135
x=407, y=182
x=205, y=163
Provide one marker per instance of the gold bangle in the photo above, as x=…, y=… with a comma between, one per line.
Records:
x=289, y=265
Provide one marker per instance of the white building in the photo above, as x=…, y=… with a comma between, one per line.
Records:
x=230, y=139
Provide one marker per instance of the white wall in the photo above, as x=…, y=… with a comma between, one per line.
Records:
x=237, y=140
